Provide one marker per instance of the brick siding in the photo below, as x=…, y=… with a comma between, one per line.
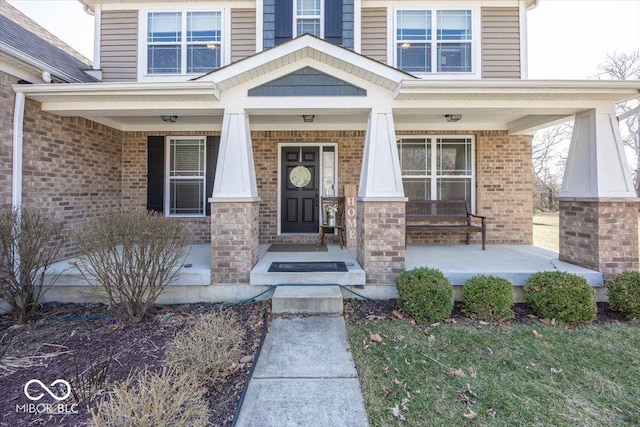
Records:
x=381, y=233
x=602, y=235
x=234, y=241
x=134, y=181
x=72, y=167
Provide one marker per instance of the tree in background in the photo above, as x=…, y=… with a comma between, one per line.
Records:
x=549, y=158
x=623, y=66
x=551, y=145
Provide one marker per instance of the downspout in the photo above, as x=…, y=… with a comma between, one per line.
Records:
x=18, y=128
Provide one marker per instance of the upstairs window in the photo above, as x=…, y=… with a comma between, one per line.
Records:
x=438, y=168
x=434, y=41
x=183, y=43
x=308, y=17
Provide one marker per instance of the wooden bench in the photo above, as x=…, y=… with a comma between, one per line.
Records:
x=448, y=216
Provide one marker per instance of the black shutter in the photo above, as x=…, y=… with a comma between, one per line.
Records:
x=284, y=21
x=155, y=173
x=333, y=21
x=213, y=144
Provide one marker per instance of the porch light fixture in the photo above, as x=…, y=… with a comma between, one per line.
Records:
x=452, y=117
x=169, y=119
x=308, y=118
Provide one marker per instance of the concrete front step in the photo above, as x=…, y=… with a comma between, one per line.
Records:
x=307, y=299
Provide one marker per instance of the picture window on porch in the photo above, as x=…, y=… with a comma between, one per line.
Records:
x=417, y=48
x=186, y=175
x=183, y=43
x=447, y=175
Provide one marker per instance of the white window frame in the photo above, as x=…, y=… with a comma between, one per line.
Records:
x=297, y=17
x=475, y=41
x=168, y=178
x=432, y=140
x=143, y=61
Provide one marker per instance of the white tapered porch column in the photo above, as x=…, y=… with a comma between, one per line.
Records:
x=598, y=203
x=381, y=203
x=234, y=204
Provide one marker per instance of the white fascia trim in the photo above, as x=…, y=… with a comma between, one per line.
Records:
x=36, y=63
x=623, y=90
x=16, y=167
x=298, y=44
x=125, y=89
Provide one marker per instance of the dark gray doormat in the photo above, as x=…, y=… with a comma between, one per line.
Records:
x=296, y=247
x=308, y=267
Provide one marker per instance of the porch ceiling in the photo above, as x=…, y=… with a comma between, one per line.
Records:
x=517, y=106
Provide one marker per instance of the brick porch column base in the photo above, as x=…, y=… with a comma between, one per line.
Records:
x=381, y=240
x=600, y=235
x=234, y=241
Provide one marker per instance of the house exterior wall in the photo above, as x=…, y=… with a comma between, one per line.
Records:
x=7, y=102
x=500, y=35
x=266, y=158
x=134, y=181
x=72, y=167
x=501, y=43
x=504, y=182
x=243, y=33
x=119, y=45
x=374, y=33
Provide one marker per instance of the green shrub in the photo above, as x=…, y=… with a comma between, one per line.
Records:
x=425, y=294
x=488, y=298
x=623, y=291
x=562, y=296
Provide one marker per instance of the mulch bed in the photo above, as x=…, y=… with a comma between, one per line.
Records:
x=363, y=310
x=79, y=336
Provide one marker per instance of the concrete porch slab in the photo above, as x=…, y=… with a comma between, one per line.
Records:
x=307, y=299
x=354, y=277
x=513, y=262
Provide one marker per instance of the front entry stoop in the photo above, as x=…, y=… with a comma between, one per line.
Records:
x=307, y=299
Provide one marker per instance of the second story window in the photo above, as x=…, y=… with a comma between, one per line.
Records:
x=434, y=41
x=183, y=43
x=308, y=17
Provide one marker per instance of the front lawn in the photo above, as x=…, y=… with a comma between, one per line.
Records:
x=520, y=375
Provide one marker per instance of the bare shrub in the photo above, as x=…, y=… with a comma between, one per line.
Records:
x=148, y=399
x=208, y=347
x=133, y=256
x=30, y=240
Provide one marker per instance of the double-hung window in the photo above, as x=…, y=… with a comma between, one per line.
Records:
x=186, y=176
x=429, y=41
x=308, y=17
x=183, y=43
x=438, y=167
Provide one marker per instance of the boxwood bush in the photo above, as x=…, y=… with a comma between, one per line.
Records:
x=562, y=296
x=425, y=294
x=623, y=291
x=488, y=298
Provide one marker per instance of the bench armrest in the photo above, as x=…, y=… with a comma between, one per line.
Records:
x=476, y=216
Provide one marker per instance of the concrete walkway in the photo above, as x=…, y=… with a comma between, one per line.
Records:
x=304, y=376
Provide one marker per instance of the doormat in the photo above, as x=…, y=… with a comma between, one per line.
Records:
x=308, y=267
x=296, y=247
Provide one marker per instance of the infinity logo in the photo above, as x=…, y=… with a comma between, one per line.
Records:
x=47, y=389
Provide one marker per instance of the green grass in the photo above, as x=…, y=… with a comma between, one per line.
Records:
x=545, y=230
x=584, y=377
